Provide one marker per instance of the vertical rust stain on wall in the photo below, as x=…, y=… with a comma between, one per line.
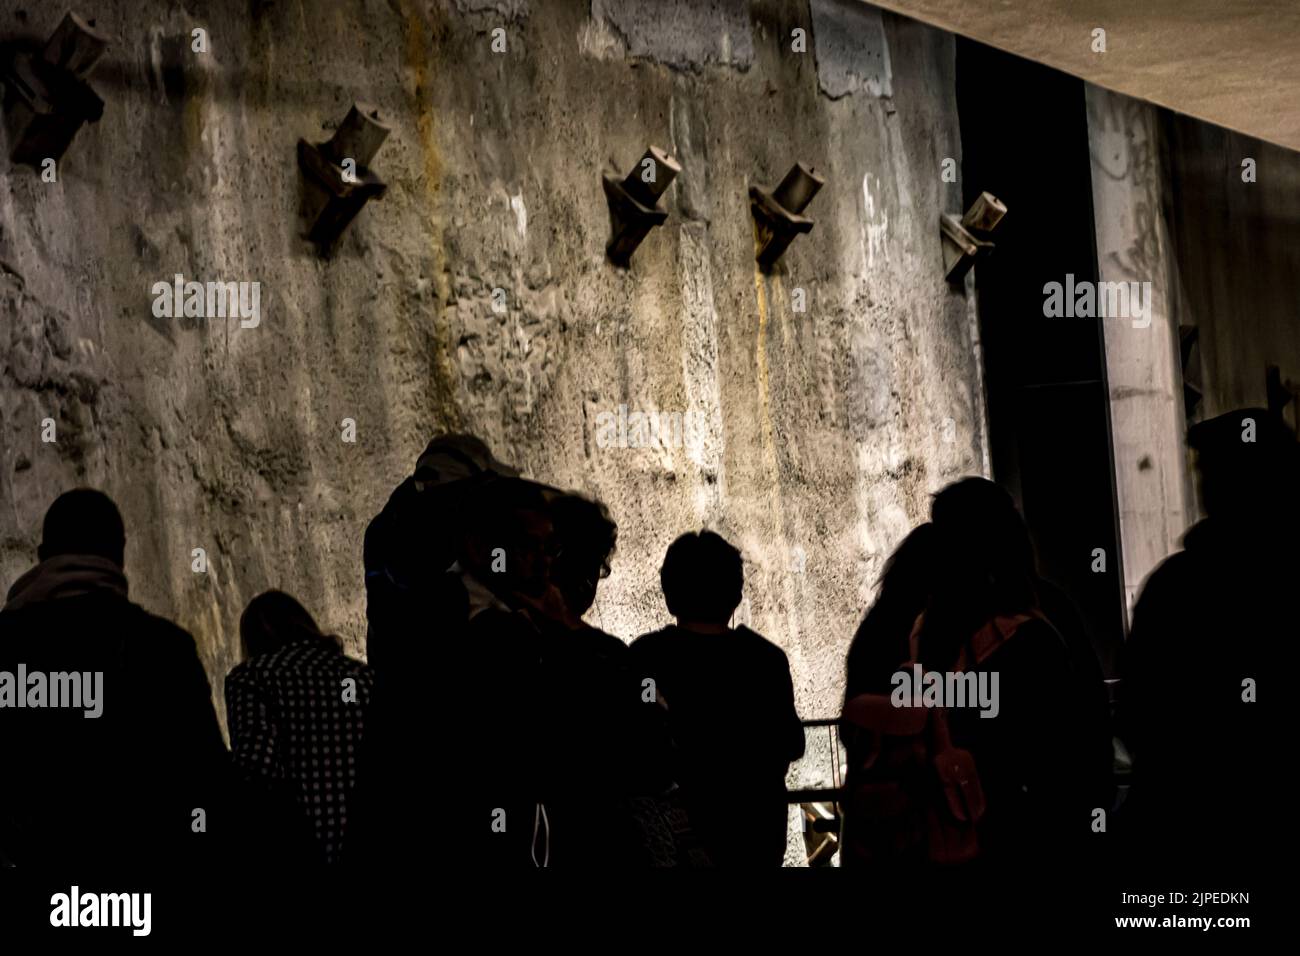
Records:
x=416, y=56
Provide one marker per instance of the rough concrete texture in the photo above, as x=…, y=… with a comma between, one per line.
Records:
x=686, y=34
x=1152, y=485
x=499, y=9
x=821, y=433
x=1236, y=259
x=852, y=53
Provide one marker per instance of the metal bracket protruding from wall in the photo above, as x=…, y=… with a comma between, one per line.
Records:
x=777, y=212
x=47, y=98
x=338, y=176
x=634, y=202
x=967, y=239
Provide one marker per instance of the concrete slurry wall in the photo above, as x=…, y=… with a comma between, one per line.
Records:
x=1233, y=205
x=821, y=405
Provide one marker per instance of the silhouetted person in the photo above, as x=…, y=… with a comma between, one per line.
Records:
x=297, y=709
x=586, y=537
x=1042, y=760
x=411, y=544
x=416, y=614
x=511, y=765
x=118, y=789
x=1213, y=621
x=982, y=510
x=880, y=643
x=608, y=805
x=730, y=703
x=878, y=648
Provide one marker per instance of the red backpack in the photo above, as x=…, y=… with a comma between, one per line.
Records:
x=913, y=797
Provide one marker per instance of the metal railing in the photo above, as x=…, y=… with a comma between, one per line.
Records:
x=816, y=784
x=826, y=749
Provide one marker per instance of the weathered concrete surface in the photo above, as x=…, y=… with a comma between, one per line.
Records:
x=1153, y=493
x=1209, y=217
x=821, y=433
x=852, y=53
x=686, y=34
x=1236, y=253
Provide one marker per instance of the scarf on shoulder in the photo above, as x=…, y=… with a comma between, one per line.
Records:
x=66, y=575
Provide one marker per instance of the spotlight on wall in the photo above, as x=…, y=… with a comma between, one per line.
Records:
x=967, y=239
x=777, y=212
x=338, y=177
x=634, y=202
x=47, y=98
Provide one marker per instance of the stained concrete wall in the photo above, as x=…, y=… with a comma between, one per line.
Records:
x=1177, y=204
x=1153, y=495
x=819, y=434
x=1235, y=235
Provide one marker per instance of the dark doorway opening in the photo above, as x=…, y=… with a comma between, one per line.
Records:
x=1025, y=139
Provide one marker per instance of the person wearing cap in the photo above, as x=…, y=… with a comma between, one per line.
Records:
x=416, y=613
x=1210, y=637
x=412, y=543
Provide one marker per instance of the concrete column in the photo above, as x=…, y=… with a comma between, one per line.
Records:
x=1141, y=345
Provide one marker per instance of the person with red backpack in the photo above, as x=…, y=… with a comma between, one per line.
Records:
x=1008, y=785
